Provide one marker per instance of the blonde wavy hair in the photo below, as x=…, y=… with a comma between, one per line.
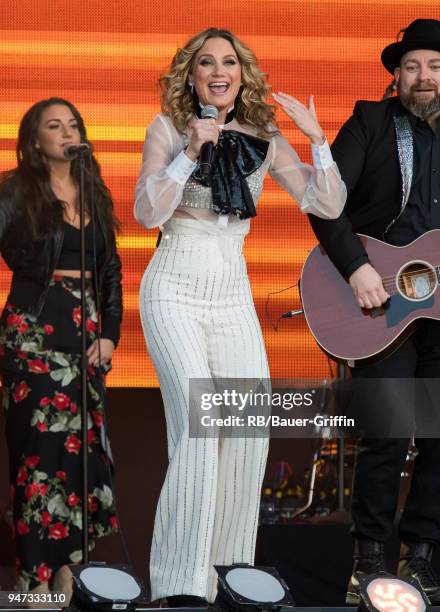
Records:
x=251, y=108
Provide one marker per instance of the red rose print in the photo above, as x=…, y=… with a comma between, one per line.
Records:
x=21, y=391
x=31, y=490
x=14, y=320
x=17, y=563
x=45, y=401
x=72, y=444
x=58, y=531
x=61, y=475
x=22, y=528
x=90, y=436
x=37, y=366
x=72, y=500
x=93, y=506
x=21, y=355
x=90, y=325
x=97, y=418
x=61, y=401
x=42, y=489
x=48, y=329
x=41, y=426
x=32, y=462
x=44, y=573
x=76, y=315
x=2, y=352
x=73, y=408
x=113, y=522
x=46, y=518
x=22, y=475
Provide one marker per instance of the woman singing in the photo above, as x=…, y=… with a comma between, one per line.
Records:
x=40, y=343
x=197, y=310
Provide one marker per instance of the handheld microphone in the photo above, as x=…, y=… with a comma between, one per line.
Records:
x=72, y=151
x=207, y=150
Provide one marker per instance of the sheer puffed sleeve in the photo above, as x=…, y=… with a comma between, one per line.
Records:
x=318, y=189
x=165, y=170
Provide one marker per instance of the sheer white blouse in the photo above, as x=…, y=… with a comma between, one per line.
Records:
x=164, y=189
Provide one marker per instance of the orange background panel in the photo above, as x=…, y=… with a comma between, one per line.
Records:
x=106, y=57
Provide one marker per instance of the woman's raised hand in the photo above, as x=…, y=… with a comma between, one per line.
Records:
x=305, y=118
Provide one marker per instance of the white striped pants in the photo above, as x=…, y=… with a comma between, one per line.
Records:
x=199, y=322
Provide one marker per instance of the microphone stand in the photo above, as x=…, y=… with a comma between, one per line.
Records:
x=81, y=592
x=84, y=364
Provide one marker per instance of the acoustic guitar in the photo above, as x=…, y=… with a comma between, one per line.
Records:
x=359, y=336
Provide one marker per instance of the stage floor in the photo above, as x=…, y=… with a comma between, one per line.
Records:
x=313, y=558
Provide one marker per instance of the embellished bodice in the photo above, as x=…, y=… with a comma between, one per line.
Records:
x=196, y=195
x=163, y=188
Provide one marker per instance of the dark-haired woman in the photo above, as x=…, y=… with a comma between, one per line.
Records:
x=40, y=342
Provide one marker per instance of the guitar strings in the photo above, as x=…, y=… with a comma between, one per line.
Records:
x=402, y=285
x=394, y=282
x=415, y=273
x=390, y=281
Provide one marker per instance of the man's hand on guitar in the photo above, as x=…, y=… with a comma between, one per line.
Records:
x=368, y=287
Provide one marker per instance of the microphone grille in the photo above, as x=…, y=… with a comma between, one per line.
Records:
x=209, y=112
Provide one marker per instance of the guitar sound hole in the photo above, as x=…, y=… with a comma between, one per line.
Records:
x=417, y=281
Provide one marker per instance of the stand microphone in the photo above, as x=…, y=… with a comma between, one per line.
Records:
x=207, y=150
x=72, y=151
x=84, y=359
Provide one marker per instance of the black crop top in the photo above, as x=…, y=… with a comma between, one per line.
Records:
x=71, y=251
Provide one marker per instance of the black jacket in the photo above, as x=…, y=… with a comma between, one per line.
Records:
x=33, y=262
x=365, y=150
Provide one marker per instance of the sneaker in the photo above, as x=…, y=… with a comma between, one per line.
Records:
x=368, y=559
x=415, y=562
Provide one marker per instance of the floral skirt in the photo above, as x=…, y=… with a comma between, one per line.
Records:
x=40, y=373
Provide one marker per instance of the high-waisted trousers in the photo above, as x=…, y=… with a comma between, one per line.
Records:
x=200, y=322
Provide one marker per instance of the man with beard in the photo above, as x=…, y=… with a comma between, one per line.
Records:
x=388, y=154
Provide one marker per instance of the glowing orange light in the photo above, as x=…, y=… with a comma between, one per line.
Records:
x=106, y=57
x=394, y=595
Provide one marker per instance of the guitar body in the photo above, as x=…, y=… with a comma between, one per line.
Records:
x=359, y=336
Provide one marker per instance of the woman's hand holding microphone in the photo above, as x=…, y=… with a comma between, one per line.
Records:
x=203, y=130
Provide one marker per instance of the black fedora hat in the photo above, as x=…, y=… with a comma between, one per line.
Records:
x=420, y=34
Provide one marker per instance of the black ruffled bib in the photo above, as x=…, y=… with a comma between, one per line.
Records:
x=237, y=155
